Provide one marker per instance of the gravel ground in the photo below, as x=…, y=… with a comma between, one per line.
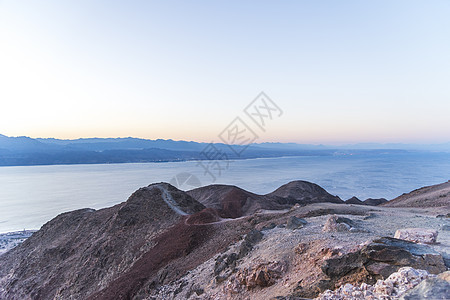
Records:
x=302, y=250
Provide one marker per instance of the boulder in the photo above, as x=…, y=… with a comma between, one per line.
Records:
x=393, y=287
x=250, y=240
x=384, y=256
x=337, y=224
x=417, y=235
x=431, y=288
x=262, y=275
x=401, y=253
x=226, y=261
x=295, y=223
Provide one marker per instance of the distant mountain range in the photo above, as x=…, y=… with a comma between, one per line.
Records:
x=17, y=151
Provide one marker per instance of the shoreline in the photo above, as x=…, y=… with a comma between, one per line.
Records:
x=12, y=239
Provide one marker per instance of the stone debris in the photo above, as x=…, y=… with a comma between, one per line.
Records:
x=417, y=235
x=295, y=223
x=445, y=227
x=393, y=287
x=259, y=275
x=435, y=288
x=250, y=240
x=336, y=224
x=382, y=257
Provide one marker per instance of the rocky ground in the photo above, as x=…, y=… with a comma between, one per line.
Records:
x=290, y=261
x=221, y=242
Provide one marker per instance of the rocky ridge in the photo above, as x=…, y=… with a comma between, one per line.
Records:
x=222, y=242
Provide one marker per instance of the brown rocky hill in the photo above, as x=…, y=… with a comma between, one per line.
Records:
x=304, y=192
x=430, y=196
x=218, y=242
x=233, y=202
x=369, y=201
x=354, y=200
x=374, y=201
x=81, y=251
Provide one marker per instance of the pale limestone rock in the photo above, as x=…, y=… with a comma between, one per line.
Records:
x=417, y=235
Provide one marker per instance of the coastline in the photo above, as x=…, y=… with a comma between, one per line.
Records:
x=12, y=239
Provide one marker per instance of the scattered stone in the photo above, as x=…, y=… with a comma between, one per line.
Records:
x=370, y=216
x=295, y=223
x=220, y=279
x=225, y=262
x=337, y=224
x=250, y=240
x=443, y=216
x=270, y=226
x=301, y=248
x=392, y=287
x=262, y=275
x=431, y=288
x=417, y=235
x=445, y=227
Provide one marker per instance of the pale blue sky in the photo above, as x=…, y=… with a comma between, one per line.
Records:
x=342, y=71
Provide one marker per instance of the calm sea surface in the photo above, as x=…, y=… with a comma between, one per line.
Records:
x=31, y=196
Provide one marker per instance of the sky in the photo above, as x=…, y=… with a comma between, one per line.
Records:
x=341, y=71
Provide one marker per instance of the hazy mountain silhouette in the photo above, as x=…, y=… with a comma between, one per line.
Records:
x=24, y=150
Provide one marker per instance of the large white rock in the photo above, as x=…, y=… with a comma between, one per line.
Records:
x=417, y=235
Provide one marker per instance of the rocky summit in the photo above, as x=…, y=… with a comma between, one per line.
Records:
x=222, y=242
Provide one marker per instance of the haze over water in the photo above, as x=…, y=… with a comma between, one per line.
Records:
x=33, y=195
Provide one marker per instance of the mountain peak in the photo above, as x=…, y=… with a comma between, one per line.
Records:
x=304, y=192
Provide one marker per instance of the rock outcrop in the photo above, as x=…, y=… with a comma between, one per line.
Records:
x=417, y=235
x=222, y=242
x=392, y=287
x=436, y=288
x=382, y=257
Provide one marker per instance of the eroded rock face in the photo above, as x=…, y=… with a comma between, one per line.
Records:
x=79, y=252
x=260, y=275
x=417, y=235
x=382, y=257
x=394, y=286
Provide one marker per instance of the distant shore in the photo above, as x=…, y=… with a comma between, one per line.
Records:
x=10, y=240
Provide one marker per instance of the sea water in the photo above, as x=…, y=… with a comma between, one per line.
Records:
x=32, y=195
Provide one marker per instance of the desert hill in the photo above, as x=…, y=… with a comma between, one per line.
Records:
x=431, y=196
x=304, y=192
x=222, y=242
x=234, y=202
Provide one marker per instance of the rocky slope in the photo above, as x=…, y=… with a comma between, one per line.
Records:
x=79, y=252
x=304, y=192
x=234, y=202
x=222, y=242
x=369, y=201
x=431, y=196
